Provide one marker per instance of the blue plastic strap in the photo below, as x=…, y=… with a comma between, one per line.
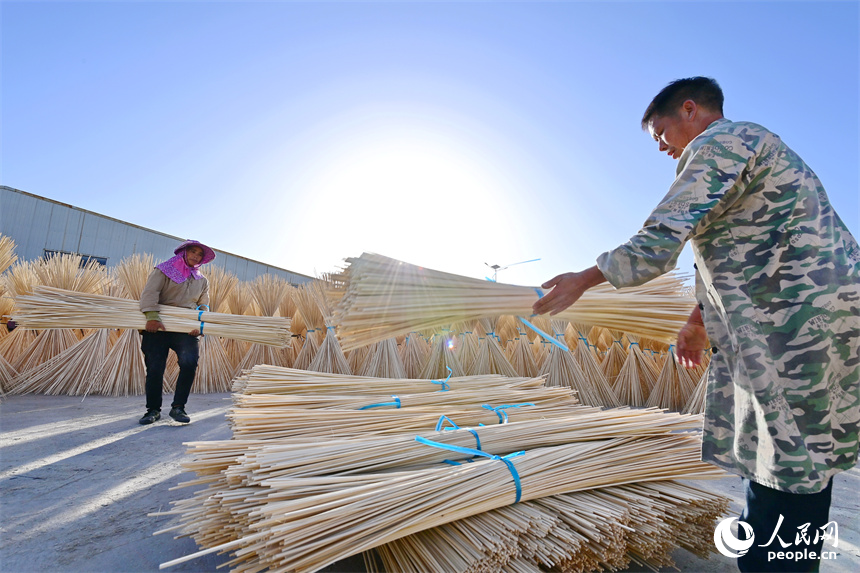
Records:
x=396, y=403
x=200, y=315
x=473, y=452
x=440, y=426
x=444, y=383
x=540, y=332
x=500, y=410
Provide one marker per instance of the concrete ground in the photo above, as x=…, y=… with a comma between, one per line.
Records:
x=78, y=479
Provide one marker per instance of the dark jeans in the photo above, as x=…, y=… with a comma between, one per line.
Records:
x=156, y=346
x=764, y=506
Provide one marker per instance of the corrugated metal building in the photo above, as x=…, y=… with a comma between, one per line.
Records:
x=41, y=226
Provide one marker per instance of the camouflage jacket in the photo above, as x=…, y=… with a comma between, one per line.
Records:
x=779, y=286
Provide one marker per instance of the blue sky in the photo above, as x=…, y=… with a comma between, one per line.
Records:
x=442, y=133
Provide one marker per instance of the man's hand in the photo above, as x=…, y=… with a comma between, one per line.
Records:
x=195, y=332
x=566, y=290
x=692, y=340
x=154, y=325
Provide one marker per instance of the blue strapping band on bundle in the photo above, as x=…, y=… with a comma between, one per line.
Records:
x=444, y=383
x=500, y=410
x=396, y=403
x=200, y=315
x=540, y=332
x=473, y=452
x=439, y=427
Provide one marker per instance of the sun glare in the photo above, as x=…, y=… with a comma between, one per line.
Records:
x=413, y=196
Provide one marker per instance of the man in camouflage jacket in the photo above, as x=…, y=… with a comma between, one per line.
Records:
x=778, y=284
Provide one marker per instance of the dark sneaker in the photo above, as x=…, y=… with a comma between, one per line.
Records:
x=150, y=417
x=178, y=414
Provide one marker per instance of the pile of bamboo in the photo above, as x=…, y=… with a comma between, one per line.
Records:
x=384, y=297
x=311, y=478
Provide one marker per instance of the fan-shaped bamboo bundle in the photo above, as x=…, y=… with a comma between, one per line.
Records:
x=308, y=306
x=384, y=361
x=466, y=345
x=329, y=356
x=490, y=359
x=309, y=350
x=13, y=345
x=306, y=524
x=441, y=358
x=594, y=375
x=239, y=301
x=7, y=374
x=132, y=272
x=214, y=369
x=69, y=272
x=416, y=352
x=385, y=297
x=673, y=388
x=68, y=373
x=268, y=292
x=45, y=346
x=123, y=372
x=359, y=357
x=20, y=279
x=506, y=327
x=7, y=253
x=221, y=284
x=614, y=359
x=562, y=369
x=696, y=403
x=56, y=308
x=264, y=379
x=522, y=358
x=636, y=378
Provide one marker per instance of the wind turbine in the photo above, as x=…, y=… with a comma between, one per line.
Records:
x=497, y=268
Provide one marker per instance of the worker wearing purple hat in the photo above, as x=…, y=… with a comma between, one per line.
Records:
x=175, y=282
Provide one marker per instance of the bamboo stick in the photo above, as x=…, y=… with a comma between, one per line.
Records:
x=385, y=297
x=57, y=308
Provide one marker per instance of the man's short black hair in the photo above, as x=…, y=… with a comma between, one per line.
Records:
x=705, y=92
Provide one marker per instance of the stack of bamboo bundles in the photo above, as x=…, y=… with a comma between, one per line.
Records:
x=300, y=503
x=583, y=531
x=265, y=379
x=384, y=297
x=58, y=308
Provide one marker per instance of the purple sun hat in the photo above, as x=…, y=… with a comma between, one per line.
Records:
x=208, y=253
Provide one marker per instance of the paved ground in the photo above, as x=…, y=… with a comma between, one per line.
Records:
x=79, y=478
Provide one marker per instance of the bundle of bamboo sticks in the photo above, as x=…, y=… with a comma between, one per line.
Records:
x=58, y=308
x=384, y=297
